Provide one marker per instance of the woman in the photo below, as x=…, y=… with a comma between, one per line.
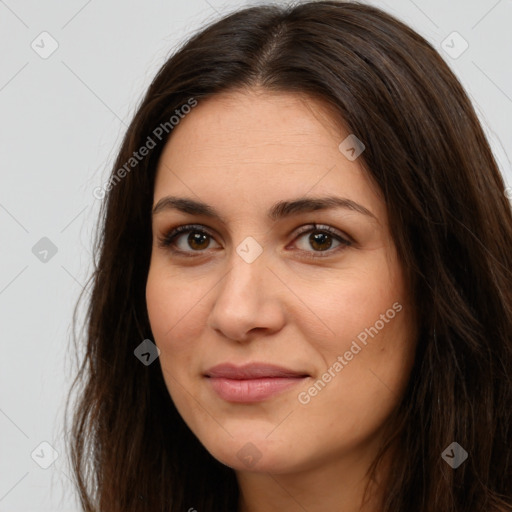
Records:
x=302, y=299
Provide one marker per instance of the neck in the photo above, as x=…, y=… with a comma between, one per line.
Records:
x=336, y=485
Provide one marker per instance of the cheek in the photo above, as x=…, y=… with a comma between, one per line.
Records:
x=176, y=314
x=346, y=305
x=170, y=299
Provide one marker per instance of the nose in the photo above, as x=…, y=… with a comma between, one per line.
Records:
x=247, y=302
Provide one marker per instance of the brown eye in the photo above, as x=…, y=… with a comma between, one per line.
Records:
x=320, y=241
x=198, y=240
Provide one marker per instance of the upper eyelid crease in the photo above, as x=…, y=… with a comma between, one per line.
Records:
x=344, y=240
x=278, y=211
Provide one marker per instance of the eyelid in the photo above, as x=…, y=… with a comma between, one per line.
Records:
x=344, y=237
x=166, y=241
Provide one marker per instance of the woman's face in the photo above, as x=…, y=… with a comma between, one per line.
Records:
x=312, y=326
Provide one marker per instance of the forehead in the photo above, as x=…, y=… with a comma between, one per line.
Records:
x=255, y=146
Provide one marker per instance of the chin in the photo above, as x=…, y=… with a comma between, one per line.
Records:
x=255, y=454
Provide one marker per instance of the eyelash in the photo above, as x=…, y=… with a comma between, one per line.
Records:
x=168, y=241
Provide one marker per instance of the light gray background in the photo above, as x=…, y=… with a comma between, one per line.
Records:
x=62, y=119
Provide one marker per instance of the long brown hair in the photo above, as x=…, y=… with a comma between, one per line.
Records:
x=449, y=218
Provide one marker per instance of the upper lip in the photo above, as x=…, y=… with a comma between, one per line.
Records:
x=252, y=371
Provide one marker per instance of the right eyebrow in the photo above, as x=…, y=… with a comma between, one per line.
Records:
x=184, y=205
x=279, y=210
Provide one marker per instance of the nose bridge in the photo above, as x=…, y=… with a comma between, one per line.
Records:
x=247, y=263
x=245, y=279
x=244, y=299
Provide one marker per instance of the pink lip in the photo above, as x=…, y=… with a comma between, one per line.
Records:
x=252, y=382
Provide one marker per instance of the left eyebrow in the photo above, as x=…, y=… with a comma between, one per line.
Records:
x=279, y=210
x=309, y=204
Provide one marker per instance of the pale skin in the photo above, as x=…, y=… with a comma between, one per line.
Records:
x=300, y=304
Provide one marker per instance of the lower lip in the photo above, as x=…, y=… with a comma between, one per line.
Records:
x=252, y=390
